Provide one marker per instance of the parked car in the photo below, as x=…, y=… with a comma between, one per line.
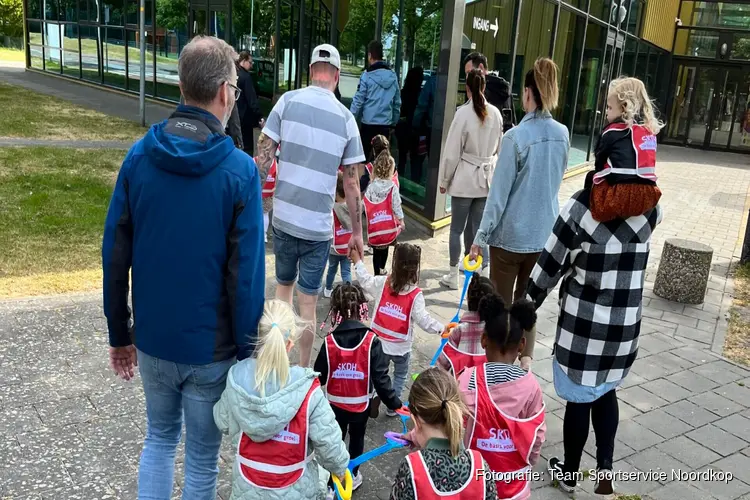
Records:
x=262, y=74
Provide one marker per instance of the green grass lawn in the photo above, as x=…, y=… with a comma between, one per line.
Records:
x=53, y=202
x=13, y=55
x=30, y=114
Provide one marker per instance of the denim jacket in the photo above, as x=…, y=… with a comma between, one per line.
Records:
x=522, y=204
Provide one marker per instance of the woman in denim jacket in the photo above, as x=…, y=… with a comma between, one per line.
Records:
x=522, y=203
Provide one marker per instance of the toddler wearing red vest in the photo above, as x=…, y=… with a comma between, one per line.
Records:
x=280, y=423
x=442, y=468
x=352, y=366
x=342, y=233
x=506, y=405
x=623, y=183
x=399, y=305
x=464, y=348
x=382, y=200
x=268, y=189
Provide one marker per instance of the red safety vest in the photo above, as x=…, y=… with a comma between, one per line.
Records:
x=269, y=186
x=460, y=360
x=393, y=314
x=341, y=236
x=505, y=442
x=424, y=488
x=348, y=384
x=279, y=462
x=644, y=145
x=368, y=166
x=382, y=226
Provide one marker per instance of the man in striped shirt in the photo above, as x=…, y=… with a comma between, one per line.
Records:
x=316, y=135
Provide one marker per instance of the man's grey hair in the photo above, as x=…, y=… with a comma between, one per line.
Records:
x=205, y=63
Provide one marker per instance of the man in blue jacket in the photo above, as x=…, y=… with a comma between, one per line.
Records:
x=378, y=99
x=186, y=217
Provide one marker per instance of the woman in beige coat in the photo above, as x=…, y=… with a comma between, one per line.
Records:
x=468, y=163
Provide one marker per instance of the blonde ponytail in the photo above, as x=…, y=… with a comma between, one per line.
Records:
x=436, y=400
x=277, y=326
x=635, y=104
x=545, y=77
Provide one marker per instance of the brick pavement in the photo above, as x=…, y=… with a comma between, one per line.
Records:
x=70, y=430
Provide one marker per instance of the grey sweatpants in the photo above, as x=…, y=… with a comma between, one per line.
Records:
x=466, y=214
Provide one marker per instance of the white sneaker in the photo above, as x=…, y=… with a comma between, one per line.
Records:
x=327, y=292
x=390, y=412
x=357, y=481
x=330, y=495
x=368, y=250
x=461, y=265
x=450, y=280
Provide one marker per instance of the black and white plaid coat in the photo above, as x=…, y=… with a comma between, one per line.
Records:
x=603, y=269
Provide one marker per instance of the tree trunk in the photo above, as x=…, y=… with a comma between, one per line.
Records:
x=410, y=37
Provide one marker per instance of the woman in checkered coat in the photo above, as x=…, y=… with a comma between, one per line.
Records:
x=602, y=266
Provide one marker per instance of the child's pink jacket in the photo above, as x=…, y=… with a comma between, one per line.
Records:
x=520, y=398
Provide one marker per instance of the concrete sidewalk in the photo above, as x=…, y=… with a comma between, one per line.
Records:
x=69, y=429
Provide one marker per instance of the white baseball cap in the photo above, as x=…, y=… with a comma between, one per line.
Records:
x=326, y=53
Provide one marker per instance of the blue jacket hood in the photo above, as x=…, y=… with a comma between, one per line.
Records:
x=383, y=76
x=182, y=148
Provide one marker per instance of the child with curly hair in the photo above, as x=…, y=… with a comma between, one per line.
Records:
x=351, y=363
x=623, y=183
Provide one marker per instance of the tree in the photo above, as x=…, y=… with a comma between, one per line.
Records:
x=11, y=18
x=741, y=49
x=171, y=14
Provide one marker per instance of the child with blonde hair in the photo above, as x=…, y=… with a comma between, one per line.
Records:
x=442, y=466
x=278, y=418
x=623, y=183
x=385, y=217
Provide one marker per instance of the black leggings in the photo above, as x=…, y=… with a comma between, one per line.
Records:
x=604, y=414
x=379, y=259
x=354, y=424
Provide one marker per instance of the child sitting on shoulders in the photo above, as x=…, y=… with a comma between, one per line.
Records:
x=382, y=200
x=399, y=305
x=623, y=183
x=506, y=405
x=442, y=467
x=351, y=363
x=342, y=233
x=280, y=422
x=464, y=348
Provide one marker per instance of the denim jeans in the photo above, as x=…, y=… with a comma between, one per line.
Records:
x=400, y=371
x=334, y=261
x=173, y=390
x=300, y=257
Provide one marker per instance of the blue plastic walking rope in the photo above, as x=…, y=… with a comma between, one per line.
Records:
x=469, y=269
x=392, y=442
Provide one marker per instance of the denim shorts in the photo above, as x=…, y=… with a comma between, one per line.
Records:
x=296, y=256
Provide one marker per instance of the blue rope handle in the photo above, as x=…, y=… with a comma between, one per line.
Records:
x=467, y=279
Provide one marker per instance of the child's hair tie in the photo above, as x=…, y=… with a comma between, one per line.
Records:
x=444, y=404
x=284, y=334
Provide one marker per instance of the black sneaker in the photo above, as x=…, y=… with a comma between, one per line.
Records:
x=605, y=483
x=555, y=467
x=375, y=407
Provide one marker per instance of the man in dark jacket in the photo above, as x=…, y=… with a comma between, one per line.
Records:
x=247, y=104
x=498, y=89
x=185, y=220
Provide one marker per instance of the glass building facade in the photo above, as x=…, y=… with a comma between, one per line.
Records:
x=694, y=57
x=710, y=77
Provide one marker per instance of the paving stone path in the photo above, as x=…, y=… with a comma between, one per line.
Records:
x=70, y=430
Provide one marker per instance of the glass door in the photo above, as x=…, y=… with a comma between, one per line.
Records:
x=683, y=78
x=198, y=22
x=739, y=136
x=706, y=94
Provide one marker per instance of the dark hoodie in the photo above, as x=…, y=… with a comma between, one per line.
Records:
x=186, y=216
x=498, y=94
x=348, y=335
